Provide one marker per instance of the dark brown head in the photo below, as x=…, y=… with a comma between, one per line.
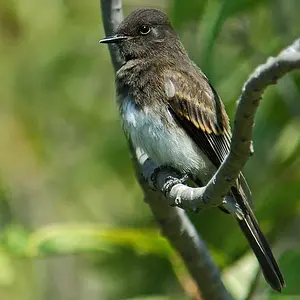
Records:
x=145, y=32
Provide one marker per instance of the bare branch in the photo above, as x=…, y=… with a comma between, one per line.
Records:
x=174, y=223
x=182, y=235
x=241, y=145
x=112, y=16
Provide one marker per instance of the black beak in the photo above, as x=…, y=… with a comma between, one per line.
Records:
x=114, y=39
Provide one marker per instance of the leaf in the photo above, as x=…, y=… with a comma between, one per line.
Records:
x=78, y=238
x=15, y=240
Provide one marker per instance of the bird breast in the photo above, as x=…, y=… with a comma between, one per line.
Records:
x=162, y=139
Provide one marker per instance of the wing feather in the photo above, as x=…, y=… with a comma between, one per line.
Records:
x=196, y=106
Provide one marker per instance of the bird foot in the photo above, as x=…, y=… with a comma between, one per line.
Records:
x=172, y=181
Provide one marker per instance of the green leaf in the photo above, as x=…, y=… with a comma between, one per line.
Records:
x=15, y=240
x=78, y=238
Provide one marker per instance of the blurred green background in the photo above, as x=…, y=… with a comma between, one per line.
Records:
x=73, y=222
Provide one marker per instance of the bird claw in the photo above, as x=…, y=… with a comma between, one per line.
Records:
x=172, y=181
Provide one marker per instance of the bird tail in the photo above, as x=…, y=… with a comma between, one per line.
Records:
x=250, y=227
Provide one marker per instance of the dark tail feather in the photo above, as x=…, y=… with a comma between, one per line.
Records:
x=260, y=246
x=263, y=254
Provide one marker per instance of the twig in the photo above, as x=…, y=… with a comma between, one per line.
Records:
x=174, y=223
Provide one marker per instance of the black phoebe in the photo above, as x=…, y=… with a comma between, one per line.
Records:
x=170, y=110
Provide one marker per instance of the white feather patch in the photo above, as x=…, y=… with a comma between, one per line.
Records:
x=169, y=88
x=162, y=143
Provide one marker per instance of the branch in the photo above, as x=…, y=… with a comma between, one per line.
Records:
x=182, y=235
x=241, y=144
x=112, y=16
x=174, y=223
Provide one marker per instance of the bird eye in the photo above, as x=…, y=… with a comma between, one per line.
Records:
x=144, y=29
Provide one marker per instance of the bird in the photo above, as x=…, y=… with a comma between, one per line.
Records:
x=171, y=111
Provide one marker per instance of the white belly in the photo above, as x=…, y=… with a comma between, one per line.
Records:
x=160, y=142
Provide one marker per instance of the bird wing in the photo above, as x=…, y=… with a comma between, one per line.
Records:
x=196, y=106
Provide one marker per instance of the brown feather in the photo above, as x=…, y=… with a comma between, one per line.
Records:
x=199, y=110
